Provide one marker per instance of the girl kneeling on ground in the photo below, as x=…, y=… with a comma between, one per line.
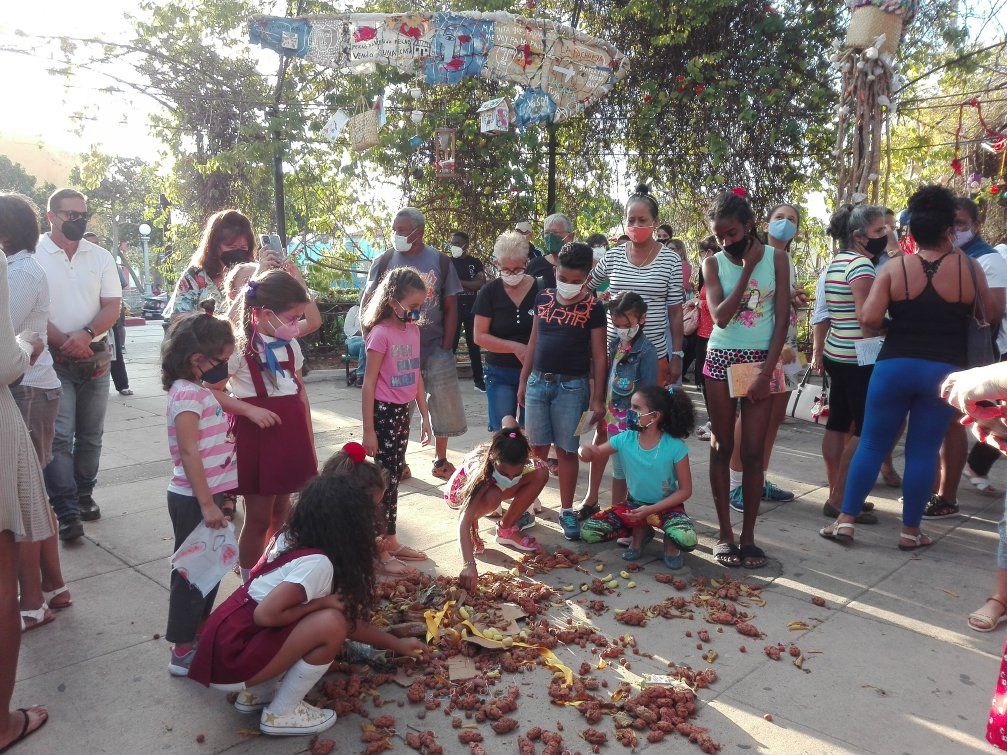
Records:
x=279, y=633
x=655, y=460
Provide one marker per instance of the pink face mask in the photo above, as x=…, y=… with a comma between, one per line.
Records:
x=285, y=331
x=639, y=234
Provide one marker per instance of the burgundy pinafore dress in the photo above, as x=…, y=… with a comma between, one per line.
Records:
x=276, y=460
x=232, y=647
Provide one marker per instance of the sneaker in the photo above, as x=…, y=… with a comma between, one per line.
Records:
x=249, y=702
x=70, y=530
x=526, y=521
x=481, y=388
x=570, y=524
x=302, y=720
x=736, y=501
x=512, y=536
x=178, y=665
x=625, y=542
x=771, y=492
x=940, y=508
x=89, y=510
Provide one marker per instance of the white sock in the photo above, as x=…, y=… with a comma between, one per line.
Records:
x=735, y=479
x=297, y=682
x=265, y=689
x=244, y=575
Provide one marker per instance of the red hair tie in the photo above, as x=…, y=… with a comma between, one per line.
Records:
x=739, y=191
x=355, y=451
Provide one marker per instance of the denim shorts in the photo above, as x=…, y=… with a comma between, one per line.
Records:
x=444, y=397
x=552, y=411
x=501, y=394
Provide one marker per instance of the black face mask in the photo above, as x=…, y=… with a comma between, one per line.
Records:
x=215, y=374
x=234, y=257
x=737, y=248
x=74, y=229
x=876, y=246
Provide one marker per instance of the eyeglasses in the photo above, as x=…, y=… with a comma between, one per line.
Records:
x=511, y=270
x=71, y=215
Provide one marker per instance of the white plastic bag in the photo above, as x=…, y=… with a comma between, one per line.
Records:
x=206, y=556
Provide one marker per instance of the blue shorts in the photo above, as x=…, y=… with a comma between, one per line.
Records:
x=552, y=411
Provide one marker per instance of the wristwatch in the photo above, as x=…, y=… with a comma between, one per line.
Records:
x=87, y=329
x=678, y=353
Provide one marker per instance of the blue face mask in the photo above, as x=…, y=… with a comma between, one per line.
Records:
x=408, y=315
x=503, y=481
x=633, y=420
x=782, y=229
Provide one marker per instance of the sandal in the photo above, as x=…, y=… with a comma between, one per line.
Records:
x=921, y=540
x=405, y=553
x=49, y=596
x=587, y=510
x=984, y=487
x=866, y=516
x=835, y=532
x=986, y=622
x=727, y=554
x=25, y=732
x=443, y=469
x=38, y=617
x=703, y=432
x=673, y=562
x=753, y=557
x=939, y=507
x=392, y=567
x=478, y=544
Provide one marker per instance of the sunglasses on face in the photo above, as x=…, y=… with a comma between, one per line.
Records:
x=71, y=215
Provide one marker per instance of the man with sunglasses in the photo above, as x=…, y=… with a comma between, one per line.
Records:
x=85, y=298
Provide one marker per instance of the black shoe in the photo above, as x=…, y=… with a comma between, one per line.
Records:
x=480, y=387
x=70, y=530
x=939, y=508
x=89, y=510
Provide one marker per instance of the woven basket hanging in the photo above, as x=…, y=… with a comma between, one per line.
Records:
x=867, y=22
x=363, y=128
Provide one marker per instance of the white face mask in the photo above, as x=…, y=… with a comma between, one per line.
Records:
x=456, y=251
x=569, y=290
x=627, y=334
x=503, y=481
x=401, y=243
x=512, y=280
x=599, y=252
x=963, y=237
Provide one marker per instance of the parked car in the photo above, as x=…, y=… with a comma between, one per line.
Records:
x=153, y=306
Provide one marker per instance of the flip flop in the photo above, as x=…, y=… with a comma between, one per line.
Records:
x=754, y=553
x=727, y=554
x=405, y=553
x=25, y=732
x=990, y=622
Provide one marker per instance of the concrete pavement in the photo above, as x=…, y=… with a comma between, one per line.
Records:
x=891, y=664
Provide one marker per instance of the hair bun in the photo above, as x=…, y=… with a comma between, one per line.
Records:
x=643, y=189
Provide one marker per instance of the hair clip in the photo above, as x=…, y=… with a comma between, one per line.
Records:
x=739, y=191
x=511, y=435
x=250, y=288
x=355, y=451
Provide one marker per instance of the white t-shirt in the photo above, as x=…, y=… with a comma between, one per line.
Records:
x=314, y=573
x=77, y=286
x=29, y=310
x=995, y=268
x=241, y=385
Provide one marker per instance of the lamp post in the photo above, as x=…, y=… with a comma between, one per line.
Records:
x=144, y=230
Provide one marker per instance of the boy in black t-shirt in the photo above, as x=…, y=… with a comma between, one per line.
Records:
x=472, y=276
x=566, y=349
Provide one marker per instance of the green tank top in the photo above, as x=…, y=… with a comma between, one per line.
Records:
x=752, y=325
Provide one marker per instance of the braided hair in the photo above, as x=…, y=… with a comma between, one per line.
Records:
x=196, y=333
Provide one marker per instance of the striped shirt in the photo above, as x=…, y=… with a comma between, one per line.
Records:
x=216, y=449
x=659, y=283
x=844, y=328
x=29, y=310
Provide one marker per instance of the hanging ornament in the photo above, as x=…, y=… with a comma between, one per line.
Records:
x=415, y=93
x=416, y=116
x=416, y=141
x=445, y=143
x=494, y=116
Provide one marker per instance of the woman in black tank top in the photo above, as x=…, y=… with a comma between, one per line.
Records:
x=929, y=297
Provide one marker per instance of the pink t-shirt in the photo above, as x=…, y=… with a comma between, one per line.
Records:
x=215, y=448
x=400, y=368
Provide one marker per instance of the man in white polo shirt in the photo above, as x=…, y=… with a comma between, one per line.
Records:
x=85, y=296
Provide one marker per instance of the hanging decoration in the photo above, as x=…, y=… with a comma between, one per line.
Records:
x=445, y=159
x=996, y=137
x=363, y=127
x=866, y=63
x=561, y=71
x=494, y=116
x=335, y=125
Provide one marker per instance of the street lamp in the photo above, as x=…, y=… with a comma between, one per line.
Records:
x=144, y=230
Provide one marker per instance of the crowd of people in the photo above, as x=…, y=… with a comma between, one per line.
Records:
x=576, y=338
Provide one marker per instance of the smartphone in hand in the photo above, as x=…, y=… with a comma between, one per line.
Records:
x=271, y=251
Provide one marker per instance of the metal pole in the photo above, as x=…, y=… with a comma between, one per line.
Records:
x=146, y=265
x=550, y=202
x=281, y=215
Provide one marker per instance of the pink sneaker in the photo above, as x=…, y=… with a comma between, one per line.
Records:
x=512, y=536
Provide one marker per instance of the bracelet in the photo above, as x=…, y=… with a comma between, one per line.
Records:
x=469, y=563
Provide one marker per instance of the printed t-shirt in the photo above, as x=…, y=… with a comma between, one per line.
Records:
x=313, y=572
x=215, y=448
x=467, y=268
x=400, y=365
x=563, y=343
x=506, y=321
x=241, y=385
x=844, y=329
x=751, y=327
x=650, y=474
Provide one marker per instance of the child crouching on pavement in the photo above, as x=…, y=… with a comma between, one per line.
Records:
x=499, y=470
x=655, y=460
x=278, y=633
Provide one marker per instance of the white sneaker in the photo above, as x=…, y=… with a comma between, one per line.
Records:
x=303, y=719
x=249, y=702
x=704, y=432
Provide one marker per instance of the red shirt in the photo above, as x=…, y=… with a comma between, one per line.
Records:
x=705, y=327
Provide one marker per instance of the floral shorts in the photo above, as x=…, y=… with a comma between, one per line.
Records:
x=461, y=474
x=718, y=360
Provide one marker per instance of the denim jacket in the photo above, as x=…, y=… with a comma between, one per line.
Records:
x=632, y=371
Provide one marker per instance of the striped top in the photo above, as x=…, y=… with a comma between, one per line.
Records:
x=659, y=283
x=29, y=310
x=216, y=449
x=844, y=329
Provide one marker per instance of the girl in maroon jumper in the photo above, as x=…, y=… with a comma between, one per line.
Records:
x=279, y=633
x=265, y=370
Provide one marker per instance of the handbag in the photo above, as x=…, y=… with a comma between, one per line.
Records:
x=690, y=321
x=363, y=128
x=810, y=401
x=979, y=333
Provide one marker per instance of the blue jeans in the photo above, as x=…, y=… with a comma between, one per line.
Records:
x=501, y=394
x=356, y=350
x=76, y=446
x=901, y=387
x=554, y=409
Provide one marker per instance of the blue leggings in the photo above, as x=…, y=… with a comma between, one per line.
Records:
x=899, y=387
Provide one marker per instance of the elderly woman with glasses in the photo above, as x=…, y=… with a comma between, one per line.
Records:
x=503, y=320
